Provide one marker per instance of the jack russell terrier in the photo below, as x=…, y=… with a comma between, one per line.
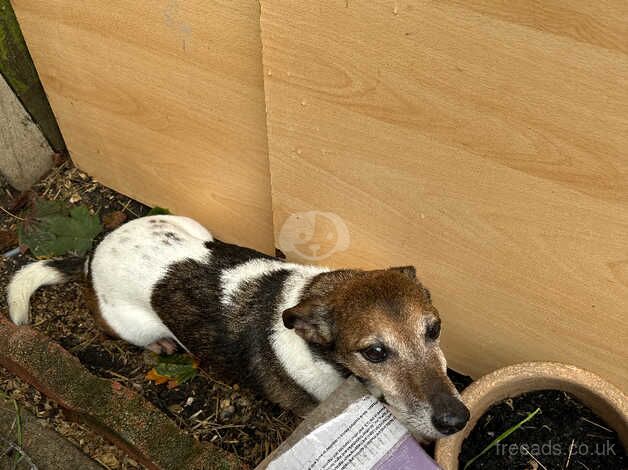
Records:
x=290, y=331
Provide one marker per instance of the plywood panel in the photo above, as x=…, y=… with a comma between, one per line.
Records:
x=162, y=100
x=484, y=142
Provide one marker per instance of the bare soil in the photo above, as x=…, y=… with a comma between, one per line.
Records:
x=565, y=434
x=225, y=414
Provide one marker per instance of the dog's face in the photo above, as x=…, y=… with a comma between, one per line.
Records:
x=381, y=325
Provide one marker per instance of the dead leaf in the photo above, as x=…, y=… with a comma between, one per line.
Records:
x=113, y=220
x=153, y=376
x=8, y=240
x=25, y=198
x=109, y=460
x=175, y=370
x=59, y=159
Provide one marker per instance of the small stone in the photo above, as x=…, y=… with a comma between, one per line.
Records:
x=243, y=402
x=176, y=408
x=227, y=412
x=109, y=460
x=75, y=198
x=8, y=239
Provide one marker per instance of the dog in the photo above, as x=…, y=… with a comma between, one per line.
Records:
x=292, y=332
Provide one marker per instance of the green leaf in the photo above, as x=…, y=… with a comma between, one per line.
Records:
x=44, y=208
x=178, y=368
x=502, y=436
x=53, y=229
x=158, y=211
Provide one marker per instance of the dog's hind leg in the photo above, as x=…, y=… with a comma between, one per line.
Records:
x=139, y=326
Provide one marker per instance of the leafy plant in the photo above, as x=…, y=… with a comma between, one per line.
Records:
x=54, y=229
x=501, y=437
x=158, y=211
x=175, y=370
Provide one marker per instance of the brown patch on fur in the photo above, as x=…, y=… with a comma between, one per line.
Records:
x=91, y=300
x=344, y=312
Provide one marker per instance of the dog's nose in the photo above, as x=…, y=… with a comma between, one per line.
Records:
x=450, y=414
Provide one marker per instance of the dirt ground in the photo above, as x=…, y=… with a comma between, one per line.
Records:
x=222, y=413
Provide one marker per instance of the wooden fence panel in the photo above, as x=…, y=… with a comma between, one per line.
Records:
x=163, y=101
x=486, y=142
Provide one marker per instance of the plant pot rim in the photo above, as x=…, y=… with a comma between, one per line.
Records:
x=605, y=399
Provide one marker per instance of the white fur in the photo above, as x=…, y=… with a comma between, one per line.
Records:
x=317, y=377
x=130, y=261
x=231, y=280
x=25, y=282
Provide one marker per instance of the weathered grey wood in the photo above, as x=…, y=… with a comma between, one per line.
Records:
x=18, y=70
x=25, y=154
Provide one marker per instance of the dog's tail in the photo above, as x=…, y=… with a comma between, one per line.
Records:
x=32, y=276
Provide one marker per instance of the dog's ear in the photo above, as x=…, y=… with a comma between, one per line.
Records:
x=310, y=319
x=408, y=271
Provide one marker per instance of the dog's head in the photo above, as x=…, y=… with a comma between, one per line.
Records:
x=381, y=325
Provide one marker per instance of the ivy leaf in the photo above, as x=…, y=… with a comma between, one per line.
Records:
x=158, y=211
x=53, y=229
x=175, y=369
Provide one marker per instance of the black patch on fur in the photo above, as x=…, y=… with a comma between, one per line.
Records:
x=232, y=340
x=71, y=267
x=173, y=236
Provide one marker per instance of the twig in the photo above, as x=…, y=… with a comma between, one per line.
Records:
x=211, y=379
x=17, y=448
x=578, y=461
x=20, y=435
x=537, y=460
x=119, y=376
x=125, y=207
x=570, y=452
x=11, y=214
x=595, y=424
x=103, y=464
x=83, y=344
x=227, y=426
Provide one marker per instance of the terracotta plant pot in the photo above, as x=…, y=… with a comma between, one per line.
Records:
x=606, y=400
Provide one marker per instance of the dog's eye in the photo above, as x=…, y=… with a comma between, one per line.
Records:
x=433, y=330
x=375, y=353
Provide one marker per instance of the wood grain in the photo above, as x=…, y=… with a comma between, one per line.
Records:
x=162, y=101
x=485, y=142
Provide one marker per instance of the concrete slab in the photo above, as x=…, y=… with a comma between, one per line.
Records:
x=42, y=447
x=119, y=414
x=25, y=155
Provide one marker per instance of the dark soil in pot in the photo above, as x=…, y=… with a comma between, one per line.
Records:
x=564, y=434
